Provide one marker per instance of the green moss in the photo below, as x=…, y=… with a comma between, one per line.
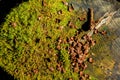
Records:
x=28, y=41
x=28, y=38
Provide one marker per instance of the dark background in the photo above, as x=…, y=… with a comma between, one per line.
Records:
x=6, y=5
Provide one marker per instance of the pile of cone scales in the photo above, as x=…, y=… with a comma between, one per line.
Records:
x=79, y=47
x=79, y=54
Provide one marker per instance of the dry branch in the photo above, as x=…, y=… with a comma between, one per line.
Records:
x=105, y=19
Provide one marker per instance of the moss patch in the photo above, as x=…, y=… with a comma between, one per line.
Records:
x=28, y=40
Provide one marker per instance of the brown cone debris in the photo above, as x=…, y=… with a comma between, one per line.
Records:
x=78, y=50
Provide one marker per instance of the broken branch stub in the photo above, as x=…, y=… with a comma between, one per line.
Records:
x=92, y=23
